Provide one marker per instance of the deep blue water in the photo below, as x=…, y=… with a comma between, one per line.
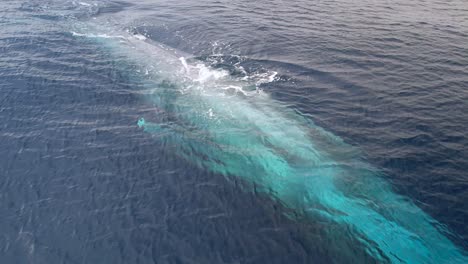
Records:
x=81, y=183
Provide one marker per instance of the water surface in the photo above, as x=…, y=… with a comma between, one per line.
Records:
x=82, y=183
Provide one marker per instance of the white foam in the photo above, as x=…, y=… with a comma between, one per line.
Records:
x=184, y=63
x=266, y=77
x=237, y=89
x=96, y=36
x=78, y=34
x=206, y=74
x=210, y=113
x=139, y=37
x=84, y=4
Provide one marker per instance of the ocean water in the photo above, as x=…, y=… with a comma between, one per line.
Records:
x=233, y=131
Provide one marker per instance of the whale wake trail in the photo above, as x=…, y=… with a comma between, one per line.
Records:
x=228, y=125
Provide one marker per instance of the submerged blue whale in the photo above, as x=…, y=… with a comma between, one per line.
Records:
x=225, y=124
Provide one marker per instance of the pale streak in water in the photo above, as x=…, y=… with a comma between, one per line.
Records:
x=251, y=136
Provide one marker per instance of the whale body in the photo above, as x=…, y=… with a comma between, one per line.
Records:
x=226, y=124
